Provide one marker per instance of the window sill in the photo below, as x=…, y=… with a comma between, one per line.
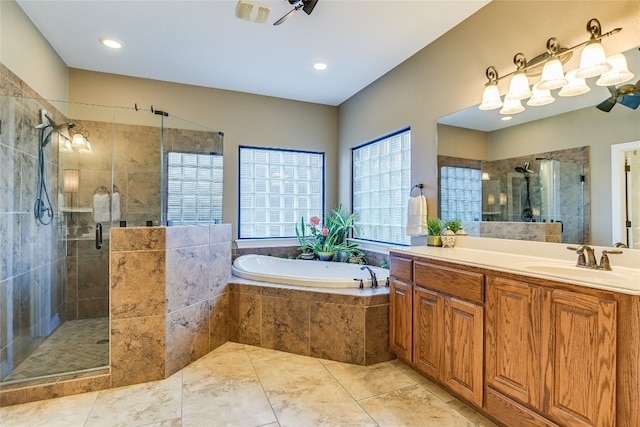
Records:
x=266, y=243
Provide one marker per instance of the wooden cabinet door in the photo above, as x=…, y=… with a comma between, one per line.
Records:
x=463, y=364
x=428, y=331
x=579, y=359
x=400, y=316
x=512, y=334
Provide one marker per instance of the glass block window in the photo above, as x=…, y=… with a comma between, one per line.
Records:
x=460, y=193
x=277, y=188
x=381, y=186
x=194, y=184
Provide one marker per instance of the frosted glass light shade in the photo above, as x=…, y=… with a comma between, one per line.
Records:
x=552, y=75
x=593, y=61
x=64, y=145
x=619, y=72
x=575, y=86
x=490, y=98
x=512, y=106
x=519, y=87
x=87, y=148
x=78, y=141
x=540, y=97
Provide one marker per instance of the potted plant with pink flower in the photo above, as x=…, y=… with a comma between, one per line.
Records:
x=325, y=240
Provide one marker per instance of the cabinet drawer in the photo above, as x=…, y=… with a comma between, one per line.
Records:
x=401, y=268
x=452, y=281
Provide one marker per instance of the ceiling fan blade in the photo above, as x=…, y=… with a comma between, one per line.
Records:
x=308, y=6
x=607, y=105
x=285, y=17
x=631, y=101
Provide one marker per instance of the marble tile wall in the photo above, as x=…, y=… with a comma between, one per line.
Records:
x=574, y=204
x=168, y=298
x=32, y=265
x=343, y=325
x=534, y=231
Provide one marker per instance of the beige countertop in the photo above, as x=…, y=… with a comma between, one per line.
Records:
x=538, y=259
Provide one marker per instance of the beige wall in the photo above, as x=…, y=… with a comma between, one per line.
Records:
x=448, y=75
x=29, y=55
x=245, y=119
x=464, y=143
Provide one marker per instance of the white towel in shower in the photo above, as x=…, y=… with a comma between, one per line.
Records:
x=417, y=216
x=101, y=207
x=115, y=206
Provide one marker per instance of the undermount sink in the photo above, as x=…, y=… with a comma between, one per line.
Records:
x=574, y=271
x=617, y=278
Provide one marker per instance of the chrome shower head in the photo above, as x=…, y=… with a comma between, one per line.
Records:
x=525, y=169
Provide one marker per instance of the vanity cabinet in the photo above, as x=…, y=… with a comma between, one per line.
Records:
x=512, y=337
x=551, y=350
x=400, y=304
x=525, y=350
x=400, y=325
x=579, y=358
x=436, y=323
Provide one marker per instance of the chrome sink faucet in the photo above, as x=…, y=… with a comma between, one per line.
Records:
x=604, y=259
x=589, y=260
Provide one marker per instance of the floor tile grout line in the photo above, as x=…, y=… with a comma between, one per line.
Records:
x=350, y=395
x=275, y=415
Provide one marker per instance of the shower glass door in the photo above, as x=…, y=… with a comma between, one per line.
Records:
x=54, y=280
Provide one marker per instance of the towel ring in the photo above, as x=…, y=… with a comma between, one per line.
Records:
x=420, y=186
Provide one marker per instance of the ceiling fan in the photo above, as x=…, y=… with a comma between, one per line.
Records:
x=306, y=5
x=627, y=95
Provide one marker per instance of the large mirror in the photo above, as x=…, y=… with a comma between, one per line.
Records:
x=548, y=168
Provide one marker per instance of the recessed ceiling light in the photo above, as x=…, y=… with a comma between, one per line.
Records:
x=111, y=42
x=505, y=118
x=320, y=66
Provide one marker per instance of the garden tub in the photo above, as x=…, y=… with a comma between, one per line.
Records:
x=317, y=274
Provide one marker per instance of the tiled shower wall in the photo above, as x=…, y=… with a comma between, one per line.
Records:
x=32, y=265
x=574, y=204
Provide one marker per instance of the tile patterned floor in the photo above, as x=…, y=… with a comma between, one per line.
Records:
x=75, y=346
x=240, y=385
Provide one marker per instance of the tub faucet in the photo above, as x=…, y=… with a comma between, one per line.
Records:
x=374, y=280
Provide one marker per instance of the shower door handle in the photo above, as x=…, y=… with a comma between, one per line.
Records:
x=98, y=236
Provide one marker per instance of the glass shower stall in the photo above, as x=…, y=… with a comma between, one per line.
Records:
x=68, y=174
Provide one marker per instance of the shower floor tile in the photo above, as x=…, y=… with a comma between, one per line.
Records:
x=75, y=346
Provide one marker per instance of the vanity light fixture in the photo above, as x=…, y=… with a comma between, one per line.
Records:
x=593, y=62
x=111, y=42
x=74, y=138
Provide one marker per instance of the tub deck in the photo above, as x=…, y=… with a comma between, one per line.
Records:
x=345, y=325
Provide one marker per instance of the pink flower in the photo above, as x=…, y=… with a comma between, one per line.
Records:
x=314, y=220
x=325, y=231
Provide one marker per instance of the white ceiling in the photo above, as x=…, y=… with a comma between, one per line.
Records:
x=202, y=42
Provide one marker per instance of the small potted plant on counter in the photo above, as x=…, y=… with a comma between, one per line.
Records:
x=434, y=230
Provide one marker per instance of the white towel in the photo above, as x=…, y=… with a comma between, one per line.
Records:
x=115, y=207
x=101, y=207
x=417, y=216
